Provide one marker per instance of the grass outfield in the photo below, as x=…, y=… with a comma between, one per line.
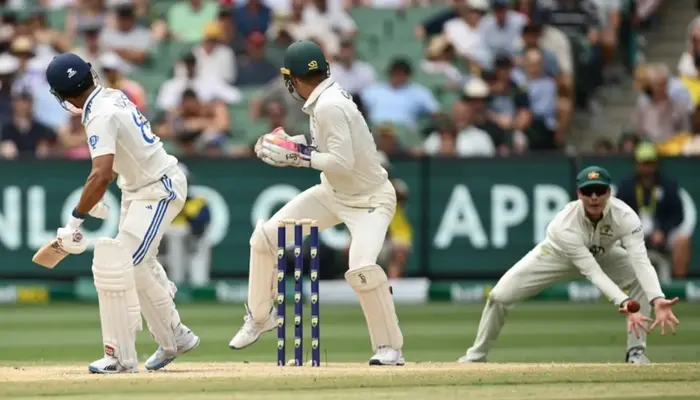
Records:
x=44, y=352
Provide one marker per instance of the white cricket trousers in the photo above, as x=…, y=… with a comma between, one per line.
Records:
x=539, y=270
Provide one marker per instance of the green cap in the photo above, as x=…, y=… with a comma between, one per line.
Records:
x=593, y=176
x=645, y=152
x=302, y=58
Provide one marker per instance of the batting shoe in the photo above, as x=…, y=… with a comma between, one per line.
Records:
x=110, y=365
x=465, y=359
x=251, y=331
x=637, y=355
x=387, y=356
x=185, y=339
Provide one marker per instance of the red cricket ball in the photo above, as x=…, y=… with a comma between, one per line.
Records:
x=633, y=306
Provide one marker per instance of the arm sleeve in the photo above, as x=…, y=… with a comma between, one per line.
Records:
x=428, y=102
x=335, y=129
x=102, y=136
x=633, y=242
x=574, y=249
x=434, y=24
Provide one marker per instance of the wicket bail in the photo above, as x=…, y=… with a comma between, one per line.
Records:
x=298, y=292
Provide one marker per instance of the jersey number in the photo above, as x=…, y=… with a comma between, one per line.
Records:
x=145, y=127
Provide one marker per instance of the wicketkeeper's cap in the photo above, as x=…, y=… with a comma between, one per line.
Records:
x=593, y=175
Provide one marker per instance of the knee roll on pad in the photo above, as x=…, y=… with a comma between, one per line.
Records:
x=120, y=314
x=373, y=290
x=157, y=306
x=260, y=241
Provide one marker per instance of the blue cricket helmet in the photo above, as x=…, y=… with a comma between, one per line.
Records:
x=69, y=76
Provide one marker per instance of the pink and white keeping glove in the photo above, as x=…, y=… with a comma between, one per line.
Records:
x=71, y=238
x=280, y=150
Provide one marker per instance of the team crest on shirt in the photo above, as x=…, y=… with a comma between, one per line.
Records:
x=606, y=230
x=92, y=140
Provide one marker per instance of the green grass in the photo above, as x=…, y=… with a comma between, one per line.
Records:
x=44, y=352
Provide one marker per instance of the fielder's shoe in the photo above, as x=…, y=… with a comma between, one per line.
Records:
x=636, y=355
x=110, y=365
x=387, y=356
x=250, y=332
x=186, y=340
x=465, y=359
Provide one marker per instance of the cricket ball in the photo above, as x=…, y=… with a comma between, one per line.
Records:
x=633, y=306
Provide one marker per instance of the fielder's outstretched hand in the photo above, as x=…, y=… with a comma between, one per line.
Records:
x=636, y=321
x=664, y=315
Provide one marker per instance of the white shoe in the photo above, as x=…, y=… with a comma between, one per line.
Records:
x=636, y=355
x=250, y=332
x=185, y=339
x=387, y=356
x=464, y=359
x=110, y=365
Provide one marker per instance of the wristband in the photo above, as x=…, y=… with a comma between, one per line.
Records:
x=651, y=302
x=78, y=215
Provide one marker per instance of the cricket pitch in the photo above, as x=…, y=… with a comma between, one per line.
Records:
x=208, y=381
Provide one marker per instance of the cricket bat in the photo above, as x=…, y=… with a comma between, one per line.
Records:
x=50, y=254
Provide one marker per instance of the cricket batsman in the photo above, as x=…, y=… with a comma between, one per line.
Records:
x=599, y=237
x=129, y=280
x=354, y=190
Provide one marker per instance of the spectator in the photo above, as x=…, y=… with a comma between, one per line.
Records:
x=187, y=19
x=294, y=26
x=398, y=101
x=578, y=19
x=113, y=68
x=675, y=86
x=509, y=103
x=610, y=16
x=84, y=12
x=551, y=39
x=458, y=138
x=656, y=199
x=195, y=125
x=463, y=33
x=23, y=135
x=687, y=65
x=8, y=69
x=208, y=89
x=350, y=73
x=657, y=116
x=435, y=24
x=334, y=18
x=603, y=147
x=276, y=92
x=90, y=51
x=214, y=58
x=501, y=29
x=276, y=117
x=231, y=35
x=388, y=141
x=254, y=68
x=31, y=77
x=254, y=16
x=399, y=241
x=48, y=41
x=544, y=134
x=71, y=137
x=130, y=41
x=692, y=81
x=476, y=95
x=532, y=33
x=692, y=145
x=441, y=60
x=628, y=142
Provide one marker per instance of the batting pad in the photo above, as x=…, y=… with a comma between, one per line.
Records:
x=119, y=304
x=262, y=276
x=372, y=288
x=157, y=305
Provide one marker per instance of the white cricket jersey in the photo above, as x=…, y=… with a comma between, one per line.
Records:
x=347, y=155
x=114, y=125
x=572, y=235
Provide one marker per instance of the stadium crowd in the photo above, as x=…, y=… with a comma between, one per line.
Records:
x=468, y=78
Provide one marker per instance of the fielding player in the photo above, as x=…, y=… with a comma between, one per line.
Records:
x=585, y=238
x=128, y=278
x=354, y=190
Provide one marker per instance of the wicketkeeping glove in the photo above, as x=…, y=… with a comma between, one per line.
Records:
x=279, y=151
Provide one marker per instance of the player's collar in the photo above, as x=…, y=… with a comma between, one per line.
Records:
x=316, y=93
x=88, y=104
